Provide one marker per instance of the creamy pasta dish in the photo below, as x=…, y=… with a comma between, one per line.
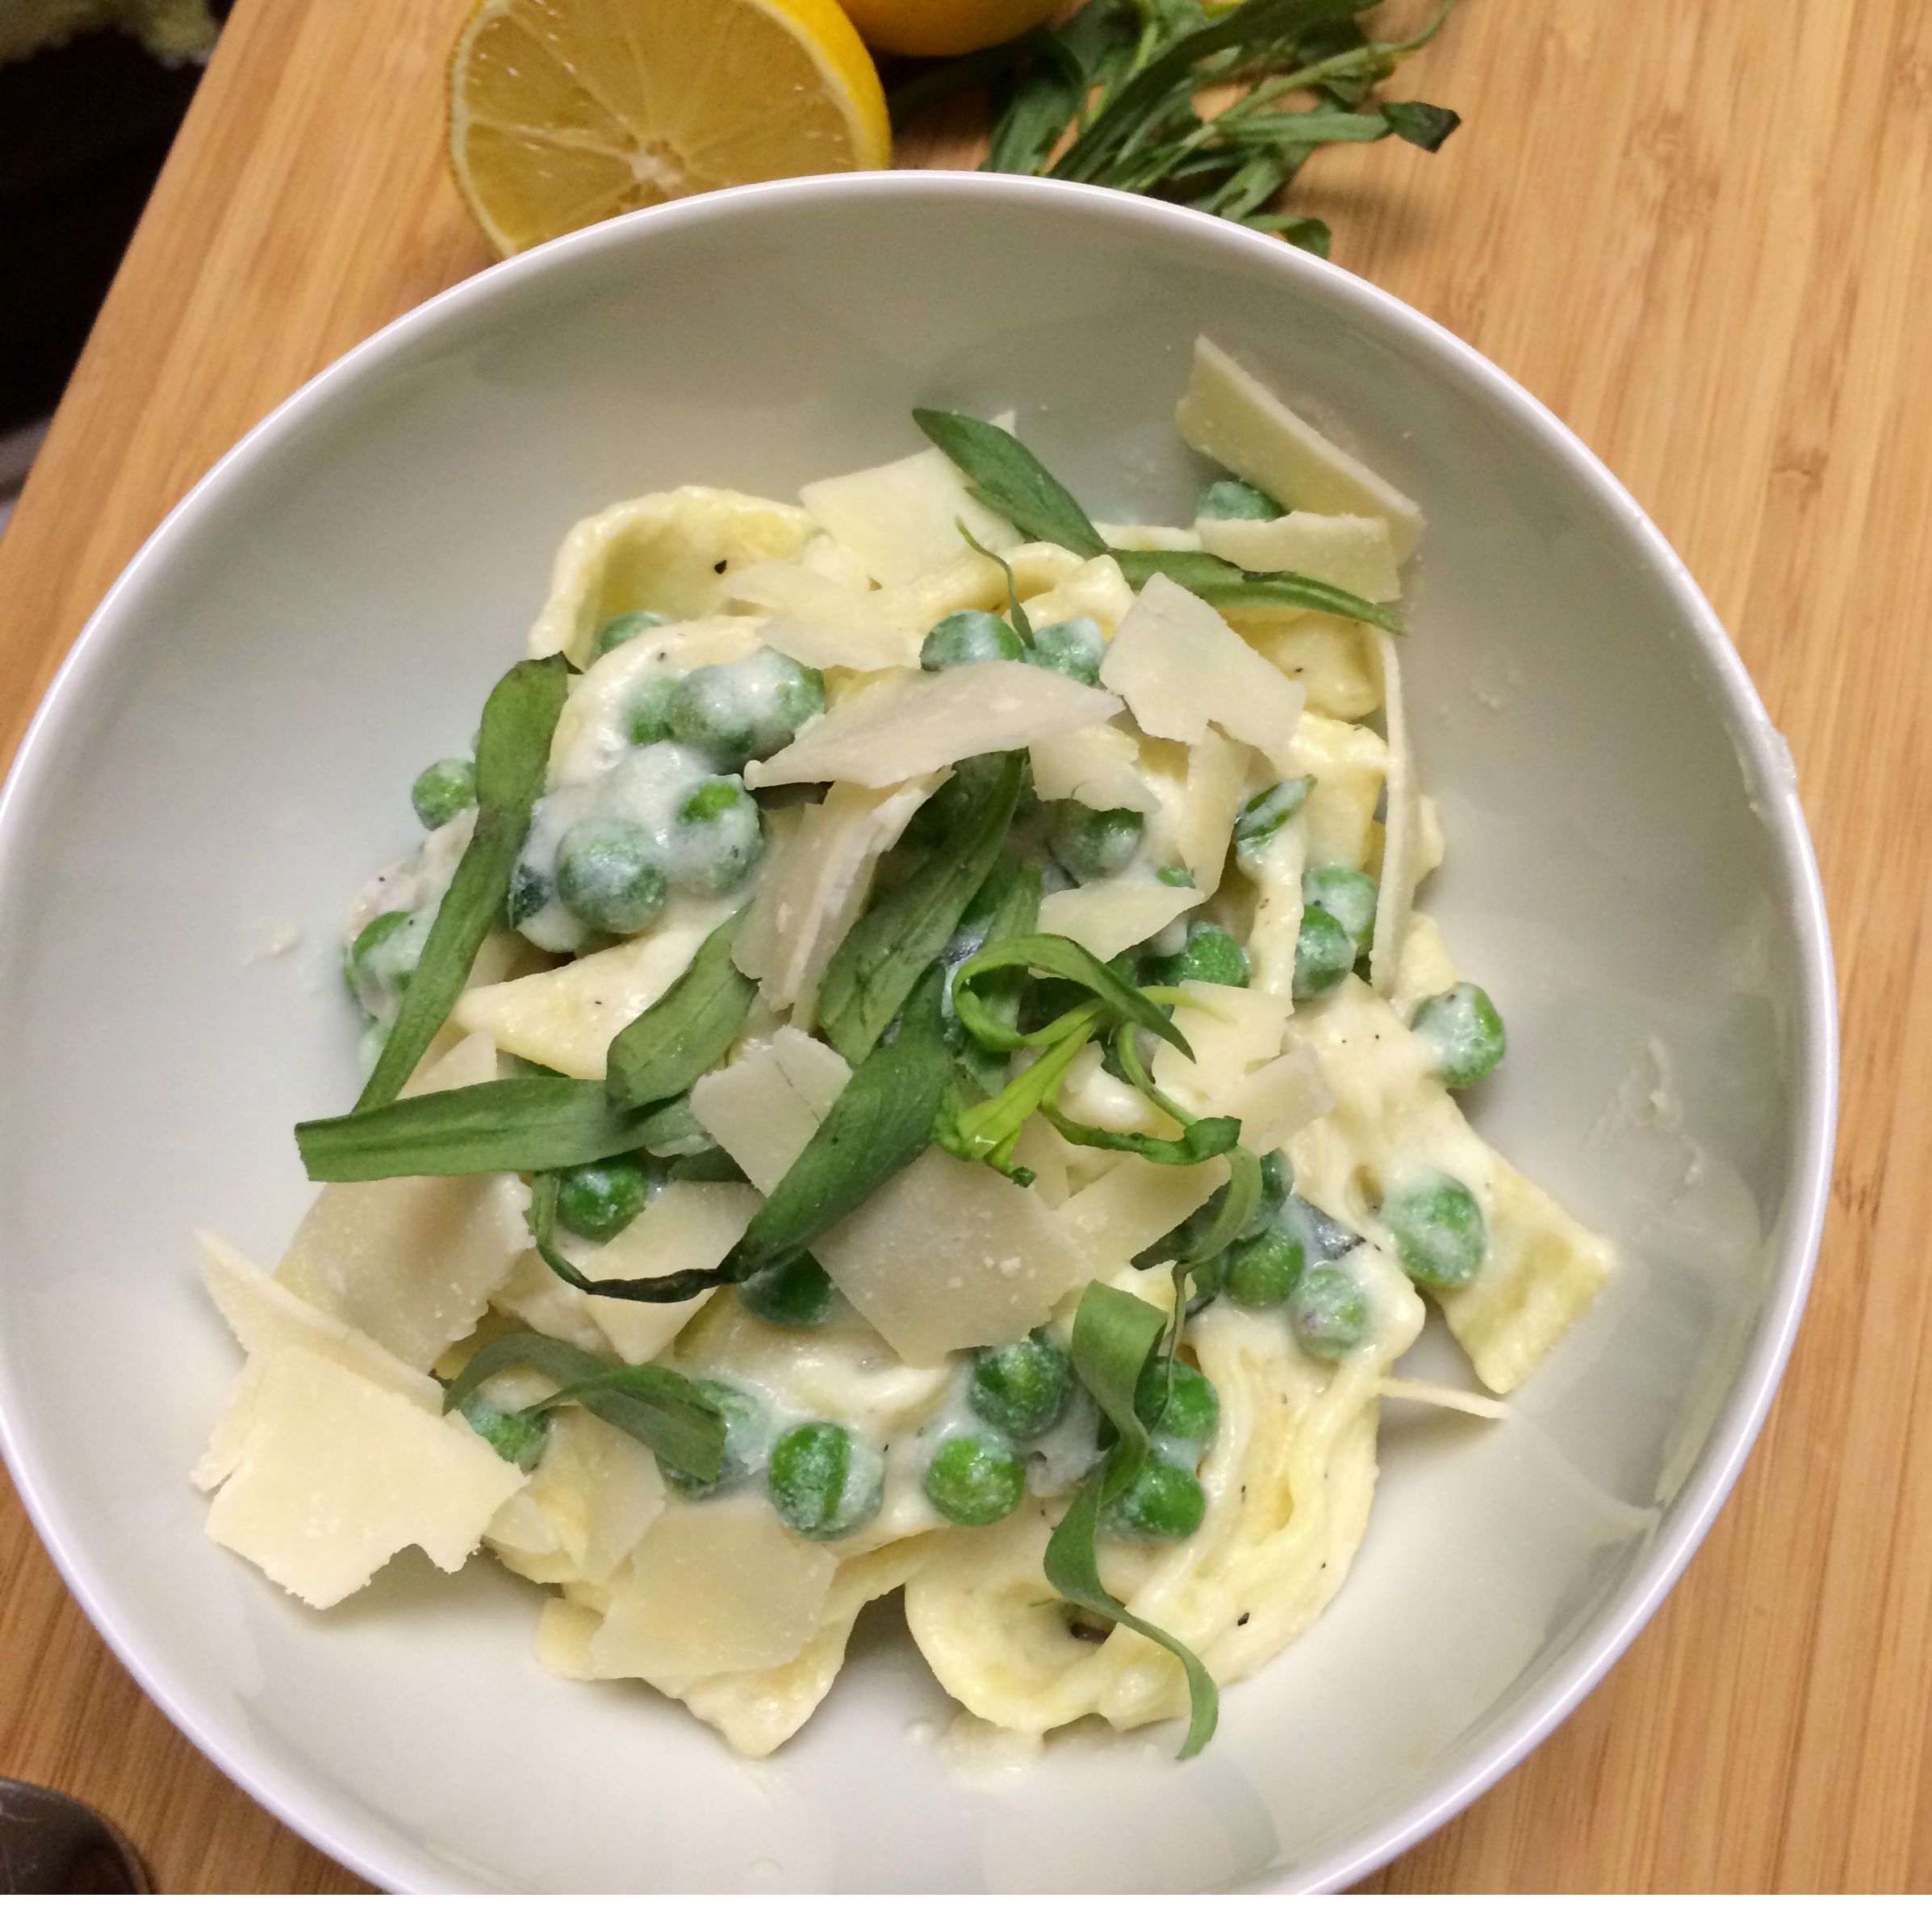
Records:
x=907, y=1059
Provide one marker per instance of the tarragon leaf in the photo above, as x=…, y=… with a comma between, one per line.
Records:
x=1011, y=480
x=513, y=754
x=671, y=1044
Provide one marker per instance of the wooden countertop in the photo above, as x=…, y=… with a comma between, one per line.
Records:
x=1701, y=230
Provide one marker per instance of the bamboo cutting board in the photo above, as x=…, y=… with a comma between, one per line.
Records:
x=1701, y=230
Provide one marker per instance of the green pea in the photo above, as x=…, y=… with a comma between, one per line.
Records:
x=747, y=1432
x=1212, y=954
x=648, y=720
x=1262, y=817
x=1464, y=1031
x=961, y=639
x=977, y=1480
x=1324, y=953
x=529, y=894
x=1347, y=895
x=614, y=632
x=797, y=695
x=713, y=708
x=1163, y=1501
x=719, y=836
x=1179, y=1406
x=1262, y=1271
x=608, y=875
x=1441, y=1239
x=797, y=1291
x=442, y=790
x=1173, y=876
x=598, y=1201
x=824, y=1484
x=1328, y=1312
x=1235, y=500
x=1095, y=845
x=1075, y=647
x=1022, y=1389
x=520, y=1437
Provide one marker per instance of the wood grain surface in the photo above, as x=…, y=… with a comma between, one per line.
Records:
x=1701, y=230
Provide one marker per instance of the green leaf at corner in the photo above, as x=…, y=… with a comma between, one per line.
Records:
x=1011, y=480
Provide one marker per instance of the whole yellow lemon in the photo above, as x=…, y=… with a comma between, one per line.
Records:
x=945, y=26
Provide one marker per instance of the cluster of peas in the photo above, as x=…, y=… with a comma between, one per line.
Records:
x=614, y=873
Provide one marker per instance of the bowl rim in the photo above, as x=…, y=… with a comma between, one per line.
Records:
x=280, y=1787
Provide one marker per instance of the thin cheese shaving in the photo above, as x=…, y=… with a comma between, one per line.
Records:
x=1179, y=666
x=1097, y=766
x=765, y=1106
x=1397, y=892
x=1347, y=549
x=902, y=725
x=1229, y=415
x=903, y=519
x=823, y=624
x=1108, y=916
x=814, y=888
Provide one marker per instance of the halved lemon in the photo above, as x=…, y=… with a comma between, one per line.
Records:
x=946, y=26
x=563, y=112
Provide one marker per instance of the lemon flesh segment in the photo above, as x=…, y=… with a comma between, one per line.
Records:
x=563, y=112
x=945, y=26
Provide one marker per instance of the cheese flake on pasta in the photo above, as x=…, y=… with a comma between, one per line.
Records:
x=902, y=725
x=764, y=1106
x=1348, y=551
x=1229, y=415
x=901, y=519
x=1180, y=665
x=1108, y=916
x=335, y=1475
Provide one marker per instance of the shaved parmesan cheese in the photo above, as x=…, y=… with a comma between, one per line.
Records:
x=903, y=725
x=1179, y=664
x=564, y=1632
x=412, y=1262
x=1346, y=549
x=713, y=1587
x=638, y=1330
x=567, y=1018
x=1217, y=769
x=669, y=552
x=265, y=1316
x=1398, y=890
x=1097, y=591
x=815, y=886
x=948, y=1255
x=336, y=1475
x=1333, y=661
x=688, y=1227
x=1229, y=415
x=1095, y=766
x=597, y=1489
x=1089, y=1095
x=1129, y=1207
x=902, y=519
x=546, y=1304
x=821, y=623
x=1152, y=539
x=1232, y=1030
x=1275, y=1101
x=1109, y=916
x=765, y=1106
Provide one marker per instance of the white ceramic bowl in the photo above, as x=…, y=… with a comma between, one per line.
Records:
x=227, y=752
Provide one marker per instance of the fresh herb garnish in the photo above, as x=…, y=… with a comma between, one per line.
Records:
x=513, y=752
x=664, y=1410
x=881, y=959
x=1052, y=956
x=673, y=1042
x=1007, y=477
x=1114, y=1335
x=1110, y=98
x=502, y=1125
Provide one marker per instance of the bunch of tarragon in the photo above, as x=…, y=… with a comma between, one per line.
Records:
x=1212, y=104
